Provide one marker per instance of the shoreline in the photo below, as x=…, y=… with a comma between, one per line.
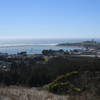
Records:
x=24, y=45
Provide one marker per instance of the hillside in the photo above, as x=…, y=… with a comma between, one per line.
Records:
x=84, y=43
x=69, y=77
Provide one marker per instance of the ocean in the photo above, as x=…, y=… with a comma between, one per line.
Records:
x=35, y=46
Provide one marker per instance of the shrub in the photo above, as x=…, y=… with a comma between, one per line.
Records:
x=62, y=85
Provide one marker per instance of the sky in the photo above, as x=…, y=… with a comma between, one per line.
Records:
x=49, y=19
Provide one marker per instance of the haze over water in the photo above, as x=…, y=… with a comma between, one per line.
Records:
x=35, y=46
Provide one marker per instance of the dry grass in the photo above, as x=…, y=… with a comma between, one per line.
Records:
x=20, y=93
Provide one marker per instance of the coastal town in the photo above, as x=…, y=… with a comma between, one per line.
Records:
x=50, y=50
x=7, y=59
x=56, y=71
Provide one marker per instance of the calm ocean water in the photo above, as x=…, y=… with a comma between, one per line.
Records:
x=35, y=46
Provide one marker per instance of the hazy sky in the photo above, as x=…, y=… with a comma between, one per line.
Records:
x=50, y=18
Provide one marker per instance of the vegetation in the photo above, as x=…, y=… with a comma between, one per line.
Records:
x=23, y=93
x=75, y=83
x=63, y=84
x=62, y=75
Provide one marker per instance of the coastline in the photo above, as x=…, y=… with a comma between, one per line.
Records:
x=24, y=45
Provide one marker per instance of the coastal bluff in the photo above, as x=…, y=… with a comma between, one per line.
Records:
x=82, y=44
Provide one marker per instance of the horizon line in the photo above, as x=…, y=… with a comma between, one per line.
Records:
x=18, y=38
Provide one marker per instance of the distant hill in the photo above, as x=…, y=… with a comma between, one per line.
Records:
x=84, y=44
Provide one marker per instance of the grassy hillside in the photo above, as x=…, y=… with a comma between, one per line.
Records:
x=75, y=77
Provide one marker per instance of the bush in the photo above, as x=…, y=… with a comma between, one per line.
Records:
x=62, y=85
